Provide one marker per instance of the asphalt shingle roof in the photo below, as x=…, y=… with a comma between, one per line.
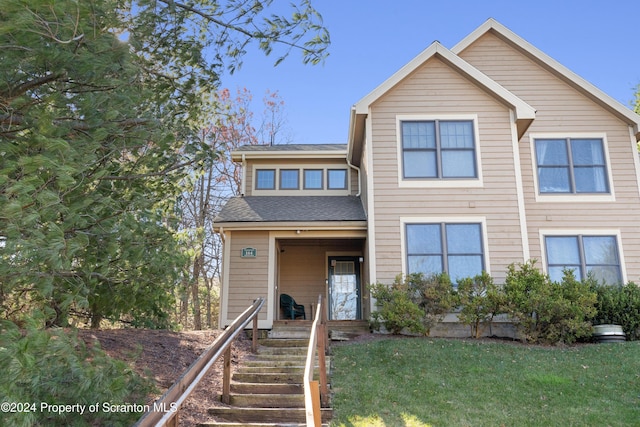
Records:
x=292, y=208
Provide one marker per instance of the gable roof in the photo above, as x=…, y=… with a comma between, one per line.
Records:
x=524, y=113
x=259, y=209
x=618, y=109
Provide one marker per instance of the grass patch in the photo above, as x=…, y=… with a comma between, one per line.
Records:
x=417, y=382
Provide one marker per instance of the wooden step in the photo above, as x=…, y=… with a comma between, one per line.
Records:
x=281, y=342
x=266, y=388
x=268, y=378
x=269, y=400
x=257, y=415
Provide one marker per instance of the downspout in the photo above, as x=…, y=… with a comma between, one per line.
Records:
x=244, y=173
x=358, y=170
x=352, y=122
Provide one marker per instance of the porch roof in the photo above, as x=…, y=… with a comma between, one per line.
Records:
x=292, y=209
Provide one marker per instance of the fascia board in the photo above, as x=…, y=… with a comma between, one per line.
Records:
x=522, y=109
x=273, y=226
x=237, y=155
x=616, y=107
x=362, y=106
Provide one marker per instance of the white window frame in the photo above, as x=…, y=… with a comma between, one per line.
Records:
x=404, y=221
x=571, y=197
x=439, y=182
x=547, y=232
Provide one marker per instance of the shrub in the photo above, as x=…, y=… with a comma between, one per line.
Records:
x=545, y=311
x=55, y=367
x=434, y=294
x=396, y=311
x=480, y=301
x=619, y=305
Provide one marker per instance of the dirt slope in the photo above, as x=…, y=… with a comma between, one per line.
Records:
x=165, y=355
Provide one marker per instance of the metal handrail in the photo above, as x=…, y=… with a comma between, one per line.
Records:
x=315, y=393
x=165, y=410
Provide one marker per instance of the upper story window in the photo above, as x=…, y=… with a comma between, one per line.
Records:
x=584, y=254
x=438, y=149
x=265, y=179
x=289, y=179
x=571, y=165
x=313, y=179
x=454, y=248
x=301, y=180
x=337, y=179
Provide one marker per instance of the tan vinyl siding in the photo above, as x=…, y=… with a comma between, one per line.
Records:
x=302, y=275
x=436, y=90
x=248, y=277
x=562, y=109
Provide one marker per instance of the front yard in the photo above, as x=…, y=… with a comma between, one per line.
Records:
x=412, y=382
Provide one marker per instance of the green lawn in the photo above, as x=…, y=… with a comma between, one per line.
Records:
x=439, y=382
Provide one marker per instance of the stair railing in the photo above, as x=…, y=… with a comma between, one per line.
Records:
x=164, y=411
x=316, y=392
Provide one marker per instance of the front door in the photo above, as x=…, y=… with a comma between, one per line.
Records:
x=344, y=288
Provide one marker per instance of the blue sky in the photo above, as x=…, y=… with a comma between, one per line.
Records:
x=372, y=39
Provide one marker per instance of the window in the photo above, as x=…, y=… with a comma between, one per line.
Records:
x=265, y=179
x=313, y=179
x=289, y=179
x=597, y=255
x=443, y=247
x=571, y=165
x=337, y=179
x=438, y=149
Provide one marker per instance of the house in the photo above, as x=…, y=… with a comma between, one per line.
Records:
x=466, y=159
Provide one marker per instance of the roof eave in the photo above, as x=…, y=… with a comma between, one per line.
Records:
x=291, y=225
x=569, y=76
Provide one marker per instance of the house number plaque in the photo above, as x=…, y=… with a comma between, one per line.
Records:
x=249, y=252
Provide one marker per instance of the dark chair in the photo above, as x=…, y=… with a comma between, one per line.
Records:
x=290, y=308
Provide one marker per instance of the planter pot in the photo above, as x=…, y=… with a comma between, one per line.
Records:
x=608, y=333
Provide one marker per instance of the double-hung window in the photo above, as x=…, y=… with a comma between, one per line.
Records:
x=584, y=254
x=438, y=149
x=571, y=165
x=454, y=248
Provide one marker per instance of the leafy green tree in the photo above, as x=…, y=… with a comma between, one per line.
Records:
x=100, y=105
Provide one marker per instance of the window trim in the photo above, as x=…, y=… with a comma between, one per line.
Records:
x=481, y=220
x=571, y=197
x=439, y=182
x=569, y=232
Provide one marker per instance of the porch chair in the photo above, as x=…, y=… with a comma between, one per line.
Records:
x=290, y=308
